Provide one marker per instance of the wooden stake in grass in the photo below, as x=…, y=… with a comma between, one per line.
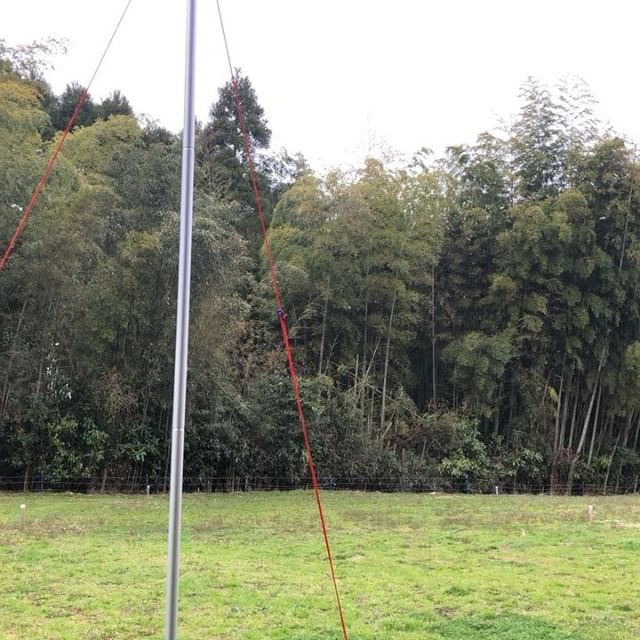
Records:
x=23, y=508
x=590, y=513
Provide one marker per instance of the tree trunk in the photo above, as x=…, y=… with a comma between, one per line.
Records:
x=324, y=329
x=556, y=429
x=332, y=347
x=556, y=440
x=626, y=230
x=434, y=385
x=606, y=477
x=595, y=427
x=512, y=401
x=386, y=363
x=565, y=409
x=355, y=379
x=543, y=401
x=573, y=418
x=14, y=343
x=601, y=437
x=364, y=377
x=365, y=338
x=43, y=351
x=585, y=424
x=370, y=416
x=25, y=484
x=627, y=429
x=635, y=439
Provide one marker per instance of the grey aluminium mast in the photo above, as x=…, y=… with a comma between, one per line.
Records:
x=182, y=331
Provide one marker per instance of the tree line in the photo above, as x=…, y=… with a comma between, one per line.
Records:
x=473, y=317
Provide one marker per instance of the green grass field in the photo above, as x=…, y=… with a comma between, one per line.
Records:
x=410, y=567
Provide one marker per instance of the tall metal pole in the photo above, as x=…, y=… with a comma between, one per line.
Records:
x=182, y=331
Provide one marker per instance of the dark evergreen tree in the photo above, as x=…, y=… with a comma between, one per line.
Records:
x=66, y=106
x=114, y=104
x=221, y=146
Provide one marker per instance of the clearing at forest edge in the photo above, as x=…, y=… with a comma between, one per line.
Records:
x=411, y=567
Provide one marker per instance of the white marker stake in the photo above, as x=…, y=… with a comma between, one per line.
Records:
x=23, y=508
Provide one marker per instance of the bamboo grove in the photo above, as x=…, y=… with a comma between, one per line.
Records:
x=459, y=321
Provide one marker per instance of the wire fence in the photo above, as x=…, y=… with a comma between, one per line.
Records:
x=160, y=485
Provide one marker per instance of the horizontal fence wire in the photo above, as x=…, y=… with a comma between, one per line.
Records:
x=223, y=484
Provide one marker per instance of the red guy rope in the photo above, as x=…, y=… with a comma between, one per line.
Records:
x=35, y=196
x=282, y=316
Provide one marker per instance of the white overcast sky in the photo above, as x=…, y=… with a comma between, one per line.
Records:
x=338, y=78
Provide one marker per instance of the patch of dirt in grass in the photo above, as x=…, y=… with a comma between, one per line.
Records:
x=48, y=527
x=445, y=612
x=505, y=627
x=212, y=524
x=619, y=524
x=484, y=519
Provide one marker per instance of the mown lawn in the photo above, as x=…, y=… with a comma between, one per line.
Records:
x=411, y=567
